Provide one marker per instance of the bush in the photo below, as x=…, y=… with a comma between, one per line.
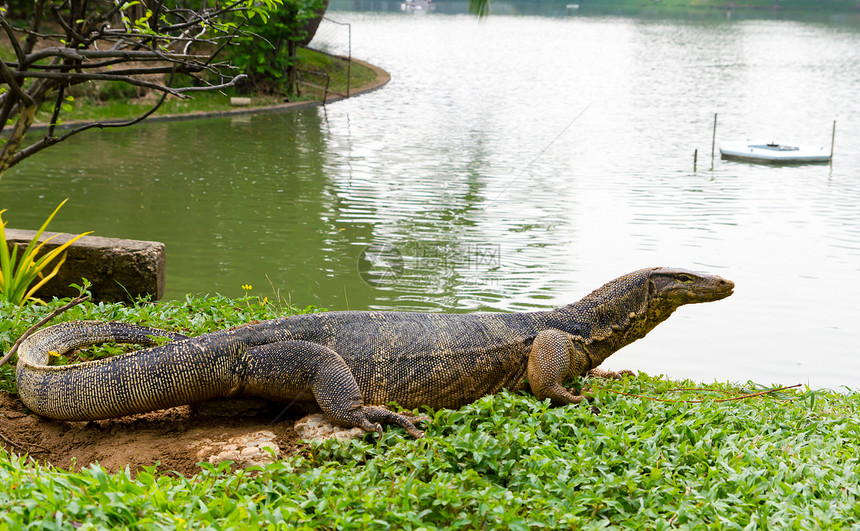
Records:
x=266, y=50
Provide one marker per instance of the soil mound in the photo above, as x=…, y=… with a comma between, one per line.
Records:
x=174, y=439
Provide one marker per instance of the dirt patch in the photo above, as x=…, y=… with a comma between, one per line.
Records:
x=170, y=438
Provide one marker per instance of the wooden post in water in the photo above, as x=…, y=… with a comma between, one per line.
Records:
x=695, y=156
x=713, y=141
x=832, y=142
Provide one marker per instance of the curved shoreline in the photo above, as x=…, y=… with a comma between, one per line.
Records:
x=382, y=78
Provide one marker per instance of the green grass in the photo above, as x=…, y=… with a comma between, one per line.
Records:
x=335, y=69
x=509, y=461
x=118, y=101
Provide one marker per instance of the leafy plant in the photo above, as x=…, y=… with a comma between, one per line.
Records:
x=17, y=274
x=266, y=50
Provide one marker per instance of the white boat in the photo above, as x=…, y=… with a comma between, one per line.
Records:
x=773, y=152
x=417, y=6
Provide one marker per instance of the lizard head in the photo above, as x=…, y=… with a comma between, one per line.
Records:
x=679, y=286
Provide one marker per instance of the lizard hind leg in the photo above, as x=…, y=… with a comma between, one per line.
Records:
x=290, y=371
x=382, y=415
x=339, y=396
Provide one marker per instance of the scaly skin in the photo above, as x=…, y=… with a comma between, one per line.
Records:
x=348, y=363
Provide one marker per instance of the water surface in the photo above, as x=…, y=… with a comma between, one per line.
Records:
x=515, y=164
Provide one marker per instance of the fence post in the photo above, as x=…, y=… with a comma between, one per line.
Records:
x=349, y=61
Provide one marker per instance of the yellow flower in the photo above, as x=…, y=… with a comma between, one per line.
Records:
x=247, y=287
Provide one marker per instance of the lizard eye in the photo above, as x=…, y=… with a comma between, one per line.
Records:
x=683, y=277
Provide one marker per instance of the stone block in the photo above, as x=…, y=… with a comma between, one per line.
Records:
x=119, y=270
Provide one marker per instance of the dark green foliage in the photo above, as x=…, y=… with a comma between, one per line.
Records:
x=101, y=91
x=266, y=49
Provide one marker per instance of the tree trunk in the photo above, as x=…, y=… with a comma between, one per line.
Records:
x=313, y=24
x=292, y=46
x=25, y=120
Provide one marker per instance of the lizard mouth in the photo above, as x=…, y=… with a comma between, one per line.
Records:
x=720, y=289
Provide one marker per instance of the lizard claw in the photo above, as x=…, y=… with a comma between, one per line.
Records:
x=610, y=375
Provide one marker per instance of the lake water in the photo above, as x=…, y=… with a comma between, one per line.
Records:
x=518, y=163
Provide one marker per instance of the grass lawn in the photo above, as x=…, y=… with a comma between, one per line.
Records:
x=119, y=101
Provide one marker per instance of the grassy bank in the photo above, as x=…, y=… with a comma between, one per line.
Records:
x=98, y=101
x=657, y=457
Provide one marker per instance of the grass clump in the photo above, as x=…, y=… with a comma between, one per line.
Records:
x=508, y=461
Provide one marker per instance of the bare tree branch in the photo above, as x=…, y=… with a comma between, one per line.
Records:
x=8, y=105
x=69, y=42
x=35, y=24
x=54, y=51
x=50, y=141
x=58, y=103
x=76, y=77
x=81, y=55
x=29, y=332
x=70, y=32
x=99, y=18
x=212, y=15
x=222, y=86
x=11, y=33
x=9, y=77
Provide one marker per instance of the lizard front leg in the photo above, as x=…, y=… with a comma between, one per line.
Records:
x=301, y=371
x=610, y=375
x=553, y=358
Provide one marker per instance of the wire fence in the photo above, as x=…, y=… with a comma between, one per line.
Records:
x=334, y=39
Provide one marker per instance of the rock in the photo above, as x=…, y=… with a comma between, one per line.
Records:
x=119, y=270
x=245, y=450
x=318, y=428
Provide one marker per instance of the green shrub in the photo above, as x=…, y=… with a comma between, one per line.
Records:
x=266, y=50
